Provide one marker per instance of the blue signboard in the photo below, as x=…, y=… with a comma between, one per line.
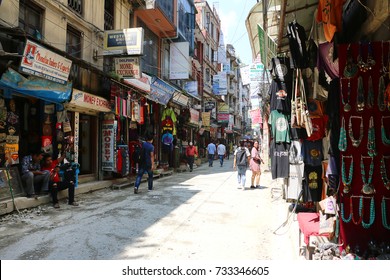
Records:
x=160, y=91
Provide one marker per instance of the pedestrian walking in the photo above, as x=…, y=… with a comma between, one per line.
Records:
x=241, y=162
x=221, y=150
x=191, y=152
x=211, y=149
x=146, y=164
x=254, y=165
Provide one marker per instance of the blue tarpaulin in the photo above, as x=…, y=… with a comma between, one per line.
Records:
x=11, y=82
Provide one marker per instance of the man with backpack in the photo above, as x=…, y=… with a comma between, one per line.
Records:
x=146, y=163
x=241, y=163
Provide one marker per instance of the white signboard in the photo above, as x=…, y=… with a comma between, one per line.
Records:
x=124, y=41
x=127, y=67
x=180, y=64
x=142, y=83
x=89, y=101
x=41, y=62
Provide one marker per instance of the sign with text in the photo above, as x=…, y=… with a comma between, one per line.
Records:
x=125, y=41
x=160, y=91
x=43, y=63
x=128, y=67
x=180, y=63
x=108, y=145
x=142, y=83
x=89, y=101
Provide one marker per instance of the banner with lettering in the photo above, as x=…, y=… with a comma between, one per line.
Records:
x=108, y=145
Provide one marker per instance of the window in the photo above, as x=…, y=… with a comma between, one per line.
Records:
x=207, y=75
x=30, y=18
x=149, y=61
x=76, y=5
x=207, y=51
x=73, y=42
x=108, y=15
x=167, y=7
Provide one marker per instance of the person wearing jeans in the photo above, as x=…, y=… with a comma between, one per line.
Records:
x=241, y=168
x=147, y=164
x=32, y=175
x=221, y=150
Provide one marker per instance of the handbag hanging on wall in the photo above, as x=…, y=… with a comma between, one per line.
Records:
x=354, y=15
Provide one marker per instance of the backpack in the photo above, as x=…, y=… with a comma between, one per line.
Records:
x=241, y=158
x=138, y=154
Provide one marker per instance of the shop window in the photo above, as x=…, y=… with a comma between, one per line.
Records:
x=73, y=41
x=76, y=5
x=30, y=18
x=149, y=61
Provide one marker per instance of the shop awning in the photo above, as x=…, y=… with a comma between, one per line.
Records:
x=13, y=82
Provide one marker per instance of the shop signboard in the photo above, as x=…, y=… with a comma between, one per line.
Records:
x=128, y=67
x=160, y=91
x=142, y=83
x=206, y=118
x=124, y=41
x=180, y=98
x=223, y=118
x=84, y=100
x=108, y=145
x=76, y=136
x=39, y=61
x=194, y=119
x=180, y=63
x=191, y=88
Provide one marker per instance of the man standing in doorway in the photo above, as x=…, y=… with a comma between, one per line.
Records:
x=211, y=149
x=221, y=149
x=146, y=164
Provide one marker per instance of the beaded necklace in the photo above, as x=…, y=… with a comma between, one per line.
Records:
x=372, y=212
x=346, y=182
x=371, y=147
x=370, y=95
x=361, y=207
x=384, y=214
x=343, y=137
x=367, y=183
x=381, y=94
x=385, y=179
x=355, y=142
x=360, y=95
x=351, y=69
x=385, y=140
x=342, y=213
x=347, y=107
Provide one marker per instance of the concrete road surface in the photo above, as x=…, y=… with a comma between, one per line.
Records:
x=199, y=215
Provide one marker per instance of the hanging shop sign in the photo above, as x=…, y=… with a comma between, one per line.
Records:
x=191, y=88
x=180, y=98
x=108, y=145
x=43, y=63
x=220, y=84
x=180, y=63
x=85, y=101
x=125, y=41
x=160, y=91
x=223, y=118
x=206, y=118
x=255, y=116
x=142, y=83
x=76, y=136
x=194, y=116
x=128, y=67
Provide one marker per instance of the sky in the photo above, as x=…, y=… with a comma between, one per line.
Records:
x=233, y=14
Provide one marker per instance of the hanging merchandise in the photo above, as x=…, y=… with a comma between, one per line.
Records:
x=351, y=69
x=346, y=180
x=371, y=146
x=368, y=188
x=385, y=178
x=46, y=129
x=66, y=125
x=297, y=42
x=356, y=142
x=343, y=137
x=385, y=139
x=360, y=96
x=370, y=95
x=372, y=212
x=353, y=16
x=346, y=105
x=384, y=213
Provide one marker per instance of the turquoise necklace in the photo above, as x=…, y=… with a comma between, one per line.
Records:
x=384, y=214
x=343, y=216
x=385, y=179
x=356, y=142
x=367, y=183
x=385, y=140
x=372, y=212
x=371, y=139
x=347, y=182
x=343, y=137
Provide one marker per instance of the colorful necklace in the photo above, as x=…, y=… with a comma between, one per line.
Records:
x=342, y=213
x=367, y=183
x=381, y=94
x=355, y=142
x=371, y=147
x=370, y=94
x=385, y=140
x=384, y=214
x=372, y=212
x=346, y=182
x=360, y=95
x=385, y=179
x=343, y=137
x=361, y=207
x=347, y=107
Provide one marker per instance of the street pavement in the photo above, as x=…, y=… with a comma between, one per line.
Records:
x=199, y=215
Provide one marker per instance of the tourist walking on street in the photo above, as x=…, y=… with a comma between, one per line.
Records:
x=241, y=162
x=254, y=165
x=147, y=163
x=211, y=149
x=191, y=152
x=221, y=150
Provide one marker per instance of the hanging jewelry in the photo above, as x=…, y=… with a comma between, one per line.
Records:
x=347, y=107
x=361, y=206
x=385, y=140
x=355, y=142
x=350, y=212
x=385, y=179
x=370, y=59
x=360, y=61
x=371, y=147
x=343, y=137
x=381, y=94
x=351, y=68
x=367, y=189
x=346, y=181
x=372, y=212
x=360, y=95
x=370, y=94
x=384, y=214
x=384, y=68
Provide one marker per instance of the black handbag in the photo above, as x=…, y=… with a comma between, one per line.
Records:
x=354, y=15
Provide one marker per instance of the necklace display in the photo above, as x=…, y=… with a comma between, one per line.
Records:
x=355, y=142
x=360, y=95
x=346, y=220
x=347, y=106
x=342, y=145
x=346, y=182
x=384, y=214
x=372, y=212
x=371, y=147
x=367, y=183
x=351, y=69
x=381, y=94
x=385, y=179
x=385, y=140
x=361, y=207
x=370, y=94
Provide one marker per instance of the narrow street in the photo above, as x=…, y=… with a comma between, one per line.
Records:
x=199, y=215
